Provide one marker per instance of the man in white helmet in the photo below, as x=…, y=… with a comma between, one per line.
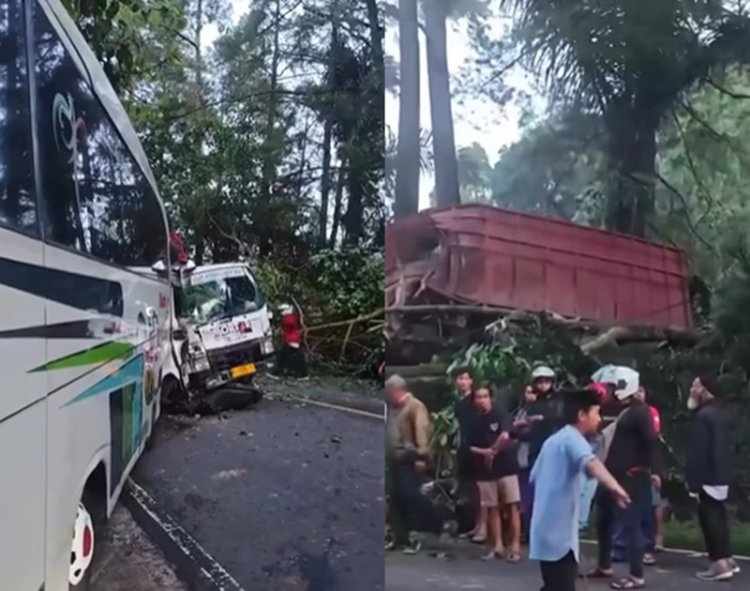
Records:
x=632, y=457
x=543, y=416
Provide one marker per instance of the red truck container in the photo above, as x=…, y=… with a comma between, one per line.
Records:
x=485, y=255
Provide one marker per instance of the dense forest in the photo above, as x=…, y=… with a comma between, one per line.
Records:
x=264, y=131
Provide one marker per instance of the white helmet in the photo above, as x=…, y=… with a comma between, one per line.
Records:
x=627, y=382
x=543, y=372
x=605, y=374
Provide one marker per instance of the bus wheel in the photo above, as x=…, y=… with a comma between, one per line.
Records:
x=82, y=551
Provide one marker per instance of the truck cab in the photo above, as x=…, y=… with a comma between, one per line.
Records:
x=221, y=329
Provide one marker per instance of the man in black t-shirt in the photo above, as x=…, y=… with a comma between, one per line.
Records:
x=495, y=467
x=464, y=412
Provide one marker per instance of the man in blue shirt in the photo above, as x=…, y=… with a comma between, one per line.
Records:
x=558, y=473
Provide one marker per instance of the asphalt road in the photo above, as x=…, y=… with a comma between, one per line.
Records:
x=284, y=496
x=127, y=560
x=425, y=573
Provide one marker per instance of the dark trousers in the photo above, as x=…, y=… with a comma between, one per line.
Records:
x=630, y=519
x=291, y=361
x=712, y=516
x=413, y=511
x=648, y=524
x=559, y=575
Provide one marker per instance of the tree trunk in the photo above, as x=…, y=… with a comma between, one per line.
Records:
x=443, y=141
x=408, y=148
x=337, y=205
x=632, y=155
x=263, y=231
x=325, y=181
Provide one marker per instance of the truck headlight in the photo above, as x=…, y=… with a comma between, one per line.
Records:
x=266, y=345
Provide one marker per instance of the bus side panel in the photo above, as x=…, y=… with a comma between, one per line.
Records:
x=104, y=386
x=23, y=413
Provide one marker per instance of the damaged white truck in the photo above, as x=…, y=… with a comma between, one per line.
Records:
x=221, y=337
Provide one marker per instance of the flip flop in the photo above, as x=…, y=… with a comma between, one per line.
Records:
x=514, y=557
x=597, y=573
x=649, y=559
x=628, y=583
x=493, y=556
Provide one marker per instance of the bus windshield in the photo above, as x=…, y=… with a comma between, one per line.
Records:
x=220, y=294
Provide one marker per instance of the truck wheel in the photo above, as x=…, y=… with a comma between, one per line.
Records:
x=82, y=550
x=233, y=397
x=173, y=397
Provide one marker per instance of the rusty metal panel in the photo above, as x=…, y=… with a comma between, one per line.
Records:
x=483, y=254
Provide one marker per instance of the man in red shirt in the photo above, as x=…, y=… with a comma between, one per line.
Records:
x=291, y=359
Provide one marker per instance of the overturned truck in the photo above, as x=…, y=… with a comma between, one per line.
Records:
x=451, y=272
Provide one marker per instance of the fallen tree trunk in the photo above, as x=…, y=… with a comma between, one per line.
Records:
x=625, y=335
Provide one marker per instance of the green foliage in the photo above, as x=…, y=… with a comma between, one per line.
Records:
x=498, y=364
x=351, y=281
x=334, y=287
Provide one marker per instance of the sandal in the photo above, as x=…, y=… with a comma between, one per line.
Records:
x=598, y=573
x=628, y=583
x=514, y=557
x=649, y=559
x=476, y=540
x=493, y=556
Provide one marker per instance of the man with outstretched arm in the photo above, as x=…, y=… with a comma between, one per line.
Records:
x=557, y=475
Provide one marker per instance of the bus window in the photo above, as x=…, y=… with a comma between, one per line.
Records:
x=97, y=199
x=17, y=204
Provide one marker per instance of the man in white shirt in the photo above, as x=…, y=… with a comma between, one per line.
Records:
x=708, y=473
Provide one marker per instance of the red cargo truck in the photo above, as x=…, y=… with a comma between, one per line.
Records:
x=478, y=254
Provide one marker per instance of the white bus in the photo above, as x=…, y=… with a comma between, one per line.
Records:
x=82, y=335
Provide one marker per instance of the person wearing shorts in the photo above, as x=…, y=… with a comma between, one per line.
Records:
x=496, y=471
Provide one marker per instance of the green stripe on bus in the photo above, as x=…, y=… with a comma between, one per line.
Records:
x=99, y=354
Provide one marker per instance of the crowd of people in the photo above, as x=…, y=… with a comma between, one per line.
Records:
x=536, y=473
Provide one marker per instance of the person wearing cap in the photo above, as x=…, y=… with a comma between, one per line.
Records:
x=564, y=460
x=408, y=452
x=632, y=457
x=708, y=474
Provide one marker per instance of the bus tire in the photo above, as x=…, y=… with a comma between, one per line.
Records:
x=83, y=548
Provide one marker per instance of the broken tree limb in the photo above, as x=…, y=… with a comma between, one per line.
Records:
x=351, y=321
x=622, y=335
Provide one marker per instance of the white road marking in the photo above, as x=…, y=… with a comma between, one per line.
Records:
x=213, y=571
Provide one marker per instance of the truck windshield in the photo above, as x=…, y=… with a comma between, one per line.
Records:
x=216, y=296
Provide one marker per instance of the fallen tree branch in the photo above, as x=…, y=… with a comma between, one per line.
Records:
x=352, y=321
x=621, y=335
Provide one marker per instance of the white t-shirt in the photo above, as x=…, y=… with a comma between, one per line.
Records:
x=718, y=493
